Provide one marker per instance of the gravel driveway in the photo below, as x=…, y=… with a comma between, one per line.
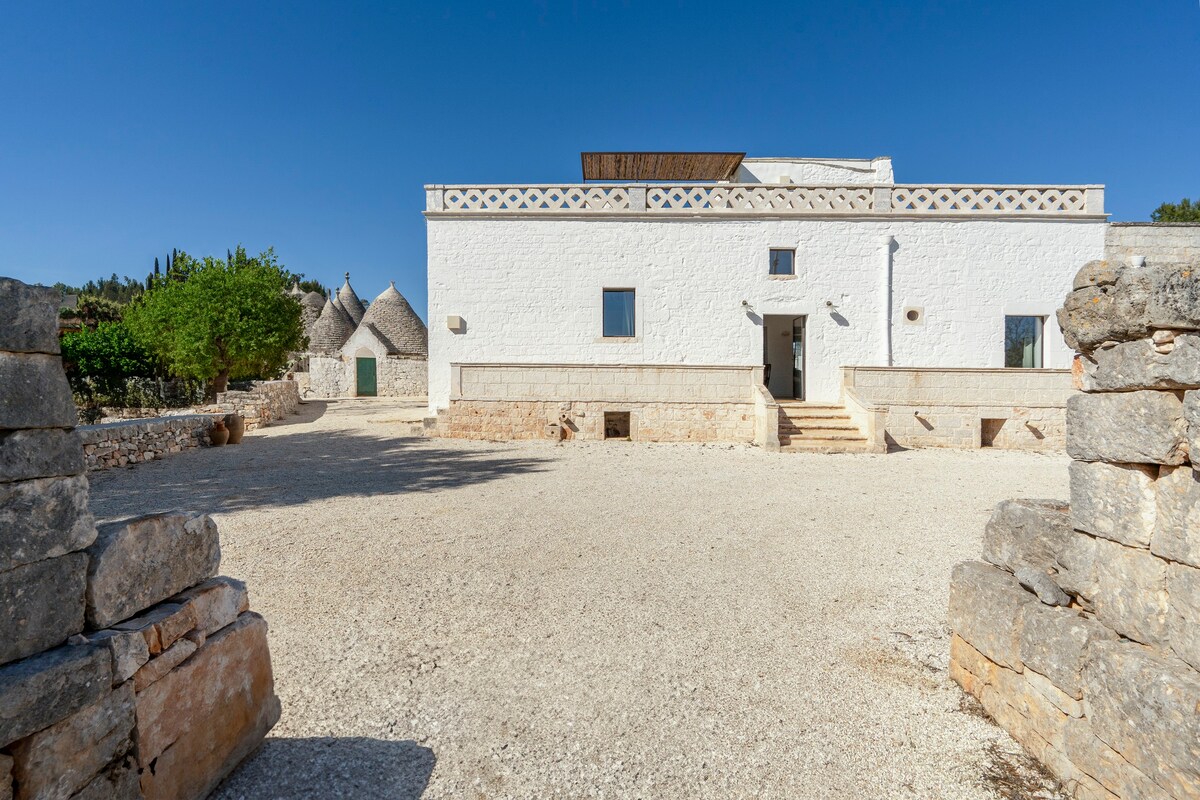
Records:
x=455, y=619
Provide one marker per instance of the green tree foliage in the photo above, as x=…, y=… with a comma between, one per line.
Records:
x=1183, y=211
x=114, y=289
x=91, y=310
x=312, y=286
x=220, y=319
x=100, y=361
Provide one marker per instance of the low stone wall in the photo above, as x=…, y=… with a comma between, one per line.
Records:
x=1079, y=632
x=1016, y=409
x=128, y=669
x=395, y=376
x=117, y=444
x=671, y=403
x=266, y=402
x=1157, y=242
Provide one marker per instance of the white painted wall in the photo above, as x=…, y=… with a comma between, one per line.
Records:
x=815, y=171
x=529, y=289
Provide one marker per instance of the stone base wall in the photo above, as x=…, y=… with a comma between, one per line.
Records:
x=266, y=402
x=127, y=668
x=395, y=376
x=1079, y=632
x=1157, y=242
x=649, y=422
x=1013, y=409
x=118, y=444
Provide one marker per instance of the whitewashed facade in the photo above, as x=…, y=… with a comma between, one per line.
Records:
x=520, y=272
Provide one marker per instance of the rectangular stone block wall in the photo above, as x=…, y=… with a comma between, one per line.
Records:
x=119, y=444
x=649, y=422
x=1157, y=242
x=604, y=382
x=1078, y=630
x=127, y=669
x=266, y=402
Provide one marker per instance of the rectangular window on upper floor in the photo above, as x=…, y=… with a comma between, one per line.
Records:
x=619, y=313
x=783, y=262
x=1023, y=341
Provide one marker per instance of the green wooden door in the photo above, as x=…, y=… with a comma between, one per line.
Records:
x=366, y=377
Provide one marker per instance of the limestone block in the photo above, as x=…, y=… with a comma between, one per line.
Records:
x=41, y=604
x=1097, y=273
x=1177, y=515
x=1143, y=705
x=1042, y=585
x=1156, y=296
x=39, y=691
x=29, y=320
x=1064, y=702
x=34, y=392
x=118, y=781
x=43, y=518
x=215, y=603
x=161, y=625
x=1139, y=365
x=1054, y=642
x=127, y=649
x=1038, y=534
x=985, y=610
x=1115, y=501
x=6, y=787
x=199, y=720
x=1191, y=415
x=1144, y=427
x=1131, y=592
x=1093, y=315
x=1183, y=601
x=1112, y=771
x=160, y=665
x=39, y=454
x=138, y=562
x=58, y=761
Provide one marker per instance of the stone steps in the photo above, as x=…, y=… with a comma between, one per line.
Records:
x=819, y=428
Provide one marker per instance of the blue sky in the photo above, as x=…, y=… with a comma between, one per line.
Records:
x=131, y=128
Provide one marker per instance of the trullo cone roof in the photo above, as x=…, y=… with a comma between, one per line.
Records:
x=395, y=322
x=330, y=331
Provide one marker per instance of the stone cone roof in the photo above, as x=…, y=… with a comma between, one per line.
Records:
x=394, y=321
x=295, y=291
x=314, y=300
x=350, y=302
x=330, y=331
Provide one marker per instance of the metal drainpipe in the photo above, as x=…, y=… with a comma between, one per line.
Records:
x=886, y=297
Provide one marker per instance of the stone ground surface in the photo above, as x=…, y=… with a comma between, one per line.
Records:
x=469, y=619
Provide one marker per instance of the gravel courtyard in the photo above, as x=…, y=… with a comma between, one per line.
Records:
x=453, y=619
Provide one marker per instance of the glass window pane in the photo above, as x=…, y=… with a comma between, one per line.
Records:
x=783, y=262
x=1023, y=342
x=618, y=312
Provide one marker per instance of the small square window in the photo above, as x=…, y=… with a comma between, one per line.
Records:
x=783, y=262
x=1023, y=342
x=619, y=313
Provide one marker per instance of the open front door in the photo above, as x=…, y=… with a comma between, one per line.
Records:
x=798, y=324
x=783, y=355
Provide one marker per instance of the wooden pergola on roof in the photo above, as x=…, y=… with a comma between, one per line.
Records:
x=629, y=167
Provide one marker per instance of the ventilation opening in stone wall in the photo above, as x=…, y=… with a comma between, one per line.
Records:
x=616, y=425
x=989, y=430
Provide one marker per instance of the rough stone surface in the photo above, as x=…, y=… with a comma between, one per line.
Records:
x=1113, y=772
x=1191, y=415
x=24, y=376
x=39, y=691
x=1131, y=594
x=160, y=625
x=119, y=781
x=1097, y=273
x=1115, y=501
x=1137, y=365
x=160, y=665
x=1038, y=534
x=1144, y=427
x=1177, y=515
x=215, y=603
x=992, y=628
x=1042, y=585
x=29, y=322
x=138, y=562
x=39, y=454
x=1183, y=592
x=128, y=650
x=43, y=518
x=199, y=720
x=41, y=604
x=60, y=760
x=1054, y=642
x=1156, y=296
x=6, y=787
x=1143, y=705
x=136, y=441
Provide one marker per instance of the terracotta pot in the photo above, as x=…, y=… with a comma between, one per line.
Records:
x=219, y=434
x=236, y=426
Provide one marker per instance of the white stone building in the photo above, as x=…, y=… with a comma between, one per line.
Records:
x=680, y=285
x=364, y=351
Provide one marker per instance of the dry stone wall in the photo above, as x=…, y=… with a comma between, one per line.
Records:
x=261, y=405
x=128, y=668
x=1078, y=631
x=118, y=444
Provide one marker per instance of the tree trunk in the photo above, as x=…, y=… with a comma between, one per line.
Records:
x=221, y=382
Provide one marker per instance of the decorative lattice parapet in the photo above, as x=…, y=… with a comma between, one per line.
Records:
x=757, y=198
x=1078, y=631
x=127, y=670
